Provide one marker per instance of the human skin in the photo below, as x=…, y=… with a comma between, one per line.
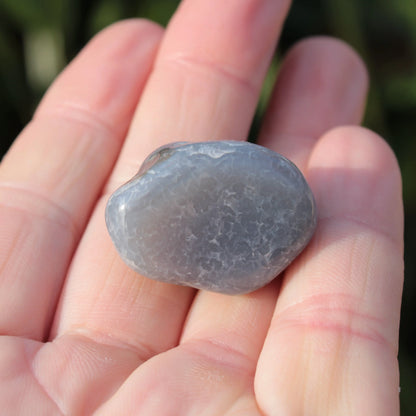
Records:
x=83, y=334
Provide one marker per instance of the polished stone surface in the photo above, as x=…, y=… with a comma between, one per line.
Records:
x=221, y=216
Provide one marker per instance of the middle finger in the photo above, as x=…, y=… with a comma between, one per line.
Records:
x=206, y=79
x=205, y=85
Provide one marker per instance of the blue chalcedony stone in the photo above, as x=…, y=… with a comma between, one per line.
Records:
x=222, y=216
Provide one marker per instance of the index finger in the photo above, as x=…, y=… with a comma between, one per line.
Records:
x=52, y=175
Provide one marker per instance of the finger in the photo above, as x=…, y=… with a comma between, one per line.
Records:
x=54, y=171
x=207, y=77
x=228, y=320
x=335, y=327
x=211, y=371
x=322, y=84
x=193, y=93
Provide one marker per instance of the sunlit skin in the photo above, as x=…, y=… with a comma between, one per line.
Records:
x=82, y=334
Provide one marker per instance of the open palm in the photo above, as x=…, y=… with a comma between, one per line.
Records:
x=82, y=334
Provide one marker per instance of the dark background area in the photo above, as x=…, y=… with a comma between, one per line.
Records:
x=39, y=37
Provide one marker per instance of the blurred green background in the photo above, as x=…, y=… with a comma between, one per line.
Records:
x=39, y=37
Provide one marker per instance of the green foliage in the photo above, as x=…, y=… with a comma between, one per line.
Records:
x=103, y=14
x=159, y=11
x=30, y=14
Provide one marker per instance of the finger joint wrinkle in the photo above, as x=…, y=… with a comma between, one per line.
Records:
x=33, y=203
x=221, y=354
x=80, y=115
x=222, y=71
x=337, y=314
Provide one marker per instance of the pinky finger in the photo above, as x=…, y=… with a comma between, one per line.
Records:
x=332, y=343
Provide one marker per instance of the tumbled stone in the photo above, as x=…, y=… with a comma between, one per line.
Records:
x=222, y=216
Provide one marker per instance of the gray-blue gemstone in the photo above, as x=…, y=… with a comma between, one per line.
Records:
x=222, y=216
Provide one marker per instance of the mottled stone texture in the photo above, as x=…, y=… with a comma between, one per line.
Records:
x=221, y=216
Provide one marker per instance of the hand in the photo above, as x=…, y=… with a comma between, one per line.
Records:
x=82, y=333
